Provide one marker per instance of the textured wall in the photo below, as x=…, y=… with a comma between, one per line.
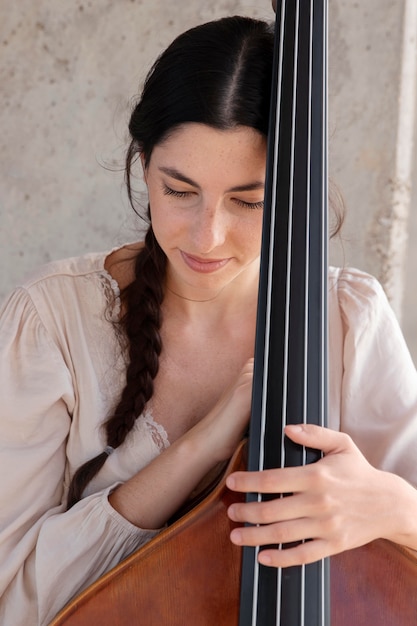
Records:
x=372, y=153
x=68, y=72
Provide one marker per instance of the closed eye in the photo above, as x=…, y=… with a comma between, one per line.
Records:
x=168, y=191
x=249, y=205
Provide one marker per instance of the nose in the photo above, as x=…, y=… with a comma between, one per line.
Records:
x=210, y=228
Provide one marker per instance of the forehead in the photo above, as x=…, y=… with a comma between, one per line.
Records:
x=201, y=149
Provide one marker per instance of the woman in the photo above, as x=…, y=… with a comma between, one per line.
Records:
x=135, y=367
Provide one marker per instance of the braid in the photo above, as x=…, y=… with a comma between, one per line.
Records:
x=141, y=323
x=217, y=74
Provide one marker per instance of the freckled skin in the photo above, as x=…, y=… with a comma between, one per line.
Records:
x=208, y=220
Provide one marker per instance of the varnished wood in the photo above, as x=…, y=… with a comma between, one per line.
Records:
x=190, y=574
x=374, y=584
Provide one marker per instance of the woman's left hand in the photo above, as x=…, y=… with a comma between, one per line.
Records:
x=338, y=503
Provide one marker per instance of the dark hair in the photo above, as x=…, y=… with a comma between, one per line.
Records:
x=218, y=74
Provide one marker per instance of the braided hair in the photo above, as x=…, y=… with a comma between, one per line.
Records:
x=217, y=74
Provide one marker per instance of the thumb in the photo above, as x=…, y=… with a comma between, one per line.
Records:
x=312, y=436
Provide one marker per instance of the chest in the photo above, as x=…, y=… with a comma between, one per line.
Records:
x=193, y=376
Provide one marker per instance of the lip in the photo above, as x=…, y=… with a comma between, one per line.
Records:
x=204, y=266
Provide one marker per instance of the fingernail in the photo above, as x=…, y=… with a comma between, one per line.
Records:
x=230, y=482
x=236, y=536
x=295, y=428
x=264, y=558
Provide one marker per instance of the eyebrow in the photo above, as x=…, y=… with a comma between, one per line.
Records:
x=174, y=173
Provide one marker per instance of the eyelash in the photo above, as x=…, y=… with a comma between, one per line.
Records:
x=178, y=194
x=168, y=191
x=252, y=206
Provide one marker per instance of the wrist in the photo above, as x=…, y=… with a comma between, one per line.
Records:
x=150, y=497
x=402, y=514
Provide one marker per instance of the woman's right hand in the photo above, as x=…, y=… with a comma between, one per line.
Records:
x=224, y=426
x=156, y=492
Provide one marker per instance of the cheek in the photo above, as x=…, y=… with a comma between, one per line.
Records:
x=157, y=206
x=166, y=223
x=251, y=235
x=161, y=226
x=159, y=221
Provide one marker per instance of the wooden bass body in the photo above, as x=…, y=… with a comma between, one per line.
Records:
x=190, y=575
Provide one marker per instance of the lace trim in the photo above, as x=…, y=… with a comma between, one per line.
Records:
x=157, y=431
x=146, y=428
x=111, y=291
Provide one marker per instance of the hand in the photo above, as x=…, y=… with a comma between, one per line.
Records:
x=222, y=429
x=339, y=502
x=150, y=497
x=274, y=5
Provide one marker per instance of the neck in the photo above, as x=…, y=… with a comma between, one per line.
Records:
x=195, y=299
x=234, y=297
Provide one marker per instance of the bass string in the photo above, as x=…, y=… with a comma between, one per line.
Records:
x=284, y=7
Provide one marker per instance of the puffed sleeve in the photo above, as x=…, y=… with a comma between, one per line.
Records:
x=47, y=554
x=379, y=389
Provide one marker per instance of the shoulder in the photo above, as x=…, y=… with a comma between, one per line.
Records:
x=59, y=287
x=349, y=281
x=63, y=292
x=358, y=296
x=364, y=320
x=72, y=268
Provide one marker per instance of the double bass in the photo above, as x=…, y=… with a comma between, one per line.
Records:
x=191, y=573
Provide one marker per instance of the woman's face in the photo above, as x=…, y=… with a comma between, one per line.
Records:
x=206, y=189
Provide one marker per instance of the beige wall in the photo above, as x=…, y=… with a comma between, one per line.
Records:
x=68, y=73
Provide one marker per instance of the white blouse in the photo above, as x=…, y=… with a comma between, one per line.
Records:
x=61, y=371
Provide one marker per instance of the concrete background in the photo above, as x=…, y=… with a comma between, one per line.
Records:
x=69, y=70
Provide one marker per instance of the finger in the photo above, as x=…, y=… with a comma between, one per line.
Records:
x=324, y=439
x=304, y=553
x=276, y=510
x=275, y=534
x=272, y=481
x=293, y=479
